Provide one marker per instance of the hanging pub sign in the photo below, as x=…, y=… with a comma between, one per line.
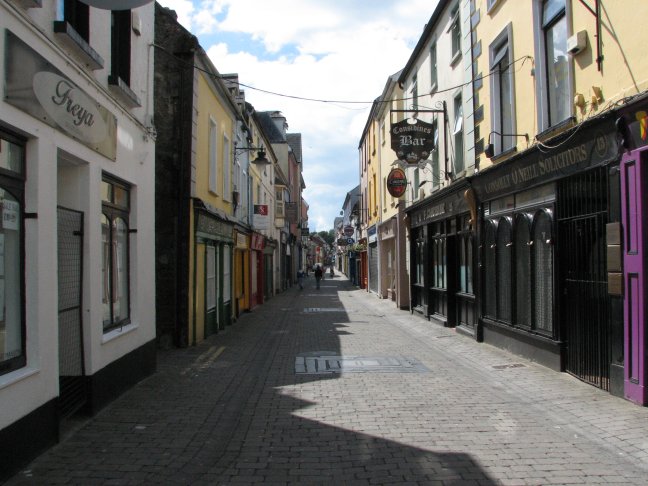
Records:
x=396, y=182
x=412, y=140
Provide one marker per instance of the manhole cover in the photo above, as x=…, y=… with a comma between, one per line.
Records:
x=357, y=364
x=506, y=366
x=315, y=310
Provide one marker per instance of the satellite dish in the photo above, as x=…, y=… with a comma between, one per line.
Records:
x=116, y=4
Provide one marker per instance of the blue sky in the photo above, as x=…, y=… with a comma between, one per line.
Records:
x=331, y=50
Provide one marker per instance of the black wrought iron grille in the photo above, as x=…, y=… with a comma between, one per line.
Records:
x=582, y=215
x=522, y=271
x=504, y=245
x=373, y=267
x=490, y=273
x=543, y=284
x=72, y=394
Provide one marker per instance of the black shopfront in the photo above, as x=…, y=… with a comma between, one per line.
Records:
x=442, y=259
x=544, y=219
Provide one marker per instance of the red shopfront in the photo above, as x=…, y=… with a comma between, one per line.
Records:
x=257, y=273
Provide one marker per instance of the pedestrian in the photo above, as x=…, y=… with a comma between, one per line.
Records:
x=318, y=275
x=300, y=279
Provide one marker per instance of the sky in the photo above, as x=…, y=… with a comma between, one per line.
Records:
x=289, y=52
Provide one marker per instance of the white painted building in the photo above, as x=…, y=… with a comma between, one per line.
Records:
x=77, y=273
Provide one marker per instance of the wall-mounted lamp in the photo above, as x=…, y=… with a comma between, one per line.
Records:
x=489, y=151
x=261, y=155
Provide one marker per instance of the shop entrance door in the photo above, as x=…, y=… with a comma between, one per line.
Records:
x=73, y=392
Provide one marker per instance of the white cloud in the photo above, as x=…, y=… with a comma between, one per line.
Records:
x=336, y=50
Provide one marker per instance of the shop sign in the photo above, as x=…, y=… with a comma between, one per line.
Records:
x=38, y=88
x=291, y=211
x=116, y=4
x=396, y=182
x=590, y=146
x=241, y=241
x=412, y=140
x=348, y=231
x=305, y=231
x=257, y=241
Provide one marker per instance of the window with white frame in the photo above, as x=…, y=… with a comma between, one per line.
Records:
x=436, y=170
x=12, y=285
x=455, y=33
x=553, y=78
x=227, y=169
x=502, y=109
x=433, y=66
x=458, y=135
x=115, y=212
x=213, y=156
x=415, y=93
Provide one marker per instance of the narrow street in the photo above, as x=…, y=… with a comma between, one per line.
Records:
x=334, y=386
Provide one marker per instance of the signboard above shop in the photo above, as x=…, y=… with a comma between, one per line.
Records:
x=396, y=182
x=412, y=140
x=116, y=4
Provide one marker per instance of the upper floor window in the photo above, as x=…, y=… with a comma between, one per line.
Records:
x=502, y=94
x=227, y=169
x=213, y=156
x=433, y=66
x=553, y=80
x=77, y=15
x=12, y=287
x=120, y=35
x=415, y=93
x=458, y=135
x=115, y=214
x=455, y=33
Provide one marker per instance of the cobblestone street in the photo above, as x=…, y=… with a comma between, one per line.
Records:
x=335, y=386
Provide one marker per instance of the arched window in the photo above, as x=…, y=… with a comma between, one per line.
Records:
x=504, y=245
x=542, y=265
x=522, y=248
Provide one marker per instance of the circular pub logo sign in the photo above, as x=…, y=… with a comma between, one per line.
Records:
x=396, y=182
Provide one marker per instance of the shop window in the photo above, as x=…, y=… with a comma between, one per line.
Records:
x=490, y=267
x=439, y=270
x=210, y=277
x=503, y=255
x=227, y=274
x=542, y=269
x=115, y=262
x=465, y=256
x=522, y=250
x=12, y=286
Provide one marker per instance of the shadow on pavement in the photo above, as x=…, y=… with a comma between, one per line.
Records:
x=233, y=410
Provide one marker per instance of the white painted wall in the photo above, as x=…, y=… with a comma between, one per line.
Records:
x=61, y=170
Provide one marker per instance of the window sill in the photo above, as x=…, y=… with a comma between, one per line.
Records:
x=77, y=44
x=455, y=58
x=18, y=375
x=30, y=3
x=504, y=155
x=118, y=332
x=123, y=91
x=555, y=130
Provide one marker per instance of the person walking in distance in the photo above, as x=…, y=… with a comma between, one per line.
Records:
x=318, y=275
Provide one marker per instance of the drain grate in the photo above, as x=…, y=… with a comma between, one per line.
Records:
x=357, y=364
